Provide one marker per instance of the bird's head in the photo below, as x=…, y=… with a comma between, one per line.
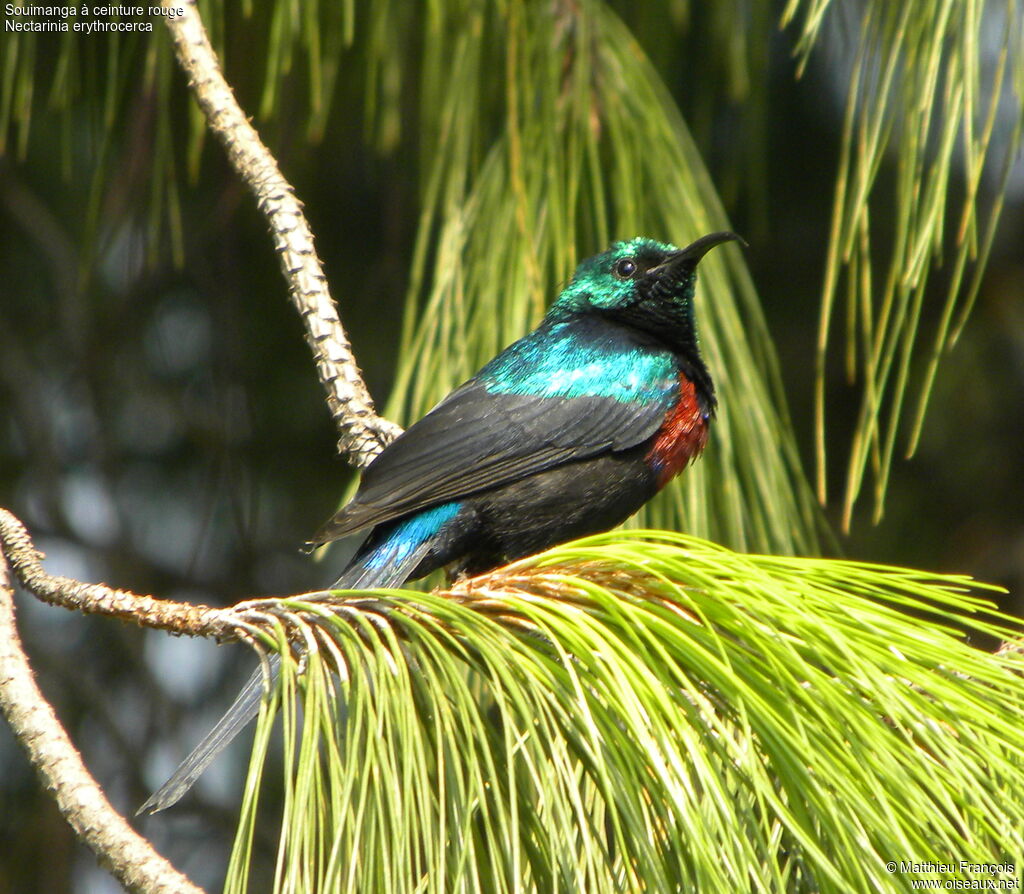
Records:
x=643, y=283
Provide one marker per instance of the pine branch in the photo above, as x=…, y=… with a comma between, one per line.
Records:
x=181, y=618
x=362, y=433
x=124, y=852
x=247, y=620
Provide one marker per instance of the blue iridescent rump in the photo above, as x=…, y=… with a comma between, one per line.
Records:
x=409, y=534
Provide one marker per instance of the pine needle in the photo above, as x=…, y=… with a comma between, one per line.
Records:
x=647, y=711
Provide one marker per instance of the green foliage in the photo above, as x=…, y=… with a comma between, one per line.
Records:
x=919, y=90
x=544, y=132
x=645, y=712
x=590, y=148
x=636, y=711
x=581, y=145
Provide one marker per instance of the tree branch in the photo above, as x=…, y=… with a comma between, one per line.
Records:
x=246, y=620
x=123, y=851
x=146, y=611
x=362, y=433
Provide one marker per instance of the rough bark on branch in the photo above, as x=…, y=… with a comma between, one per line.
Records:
x=123, y=851
x=362, y=433
x=146, y=611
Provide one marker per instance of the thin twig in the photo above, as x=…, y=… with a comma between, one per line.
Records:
x=362, y=433
x=245, y=620
x=146, y=611
x=124, y=852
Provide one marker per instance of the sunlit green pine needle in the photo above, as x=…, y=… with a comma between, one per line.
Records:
x=647, y=711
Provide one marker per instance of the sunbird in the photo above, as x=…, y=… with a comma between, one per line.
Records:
x=567, y=432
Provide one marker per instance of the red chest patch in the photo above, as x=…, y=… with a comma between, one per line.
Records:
x=681, y=437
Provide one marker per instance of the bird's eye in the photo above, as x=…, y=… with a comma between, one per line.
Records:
x=625, y=268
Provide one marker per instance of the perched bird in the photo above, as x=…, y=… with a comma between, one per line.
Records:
x=567, y=432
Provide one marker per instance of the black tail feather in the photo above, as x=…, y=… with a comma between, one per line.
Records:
x=360, y=575
x=244, y=708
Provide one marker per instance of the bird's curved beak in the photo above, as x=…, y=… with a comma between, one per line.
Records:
x=694, y=252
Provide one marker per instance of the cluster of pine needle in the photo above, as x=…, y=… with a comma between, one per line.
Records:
x=645, y=711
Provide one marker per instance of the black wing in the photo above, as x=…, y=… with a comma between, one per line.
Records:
x=478, y=439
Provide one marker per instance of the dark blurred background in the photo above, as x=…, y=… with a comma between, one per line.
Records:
x=162, y=428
